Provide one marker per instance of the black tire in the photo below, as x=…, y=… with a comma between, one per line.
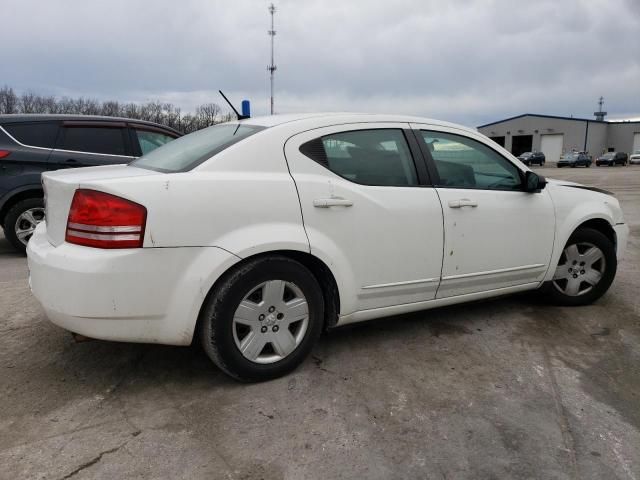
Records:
x=594, y=237
x=12, y=217
x=216, y=318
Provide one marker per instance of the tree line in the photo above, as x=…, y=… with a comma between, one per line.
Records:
x=158, y=112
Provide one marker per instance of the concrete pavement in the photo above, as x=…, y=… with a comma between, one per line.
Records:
x=508, y=388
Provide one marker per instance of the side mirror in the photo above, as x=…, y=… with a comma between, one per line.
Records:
x=534, y=182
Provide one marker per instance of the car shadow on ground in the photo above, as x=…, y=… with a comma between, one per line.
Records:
x=97, y=361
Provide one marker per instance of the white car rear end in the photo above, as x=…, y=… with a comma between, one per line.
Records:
x=130, y=294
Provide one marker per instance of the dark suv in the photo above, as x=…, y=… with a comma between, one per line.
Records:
x=574, y=159
x=530, y=158
x=32, y=144
x=612, y=158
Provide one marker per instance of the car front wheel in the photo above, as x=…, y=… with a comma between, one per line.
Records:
x=585, y=271
x=263, y=319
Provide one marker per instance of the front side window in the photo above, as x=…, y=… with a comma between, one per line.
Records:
x=105, y=140
x=462, y=162
x=149, y=140
x=369, y=157
x=189, y=151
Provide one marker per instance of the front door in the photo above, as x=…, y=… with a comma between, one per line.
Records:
x=368, y=213
x=496, y=235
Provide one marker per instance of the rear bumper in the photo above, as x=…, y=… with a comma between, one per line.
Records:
x=149, y=295
x=622, y=235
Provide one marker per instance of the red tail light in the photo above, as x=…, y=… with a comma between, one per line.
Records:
x=100, y=220
x=4, y=153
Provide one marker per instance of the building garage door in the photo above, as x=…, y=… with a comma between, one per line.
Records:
x=551, y=146
x=636, y=142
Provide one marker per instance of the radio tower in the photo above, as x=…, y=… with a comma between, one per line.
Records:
x=272, y=68
x=600, y=114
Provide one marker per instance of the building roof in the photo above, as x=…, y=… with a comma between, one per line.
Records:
x=577, y=119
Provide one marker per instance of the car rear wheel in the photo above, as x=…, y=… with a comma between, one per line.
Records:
x=585, y=270
x=263, y=319
x=21, y=221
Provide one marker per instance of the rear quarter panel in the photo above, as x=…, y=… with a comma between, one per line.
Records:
x=243, y=200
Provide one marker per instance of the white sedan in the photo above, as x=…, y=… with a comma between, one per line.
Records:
x=263, y=232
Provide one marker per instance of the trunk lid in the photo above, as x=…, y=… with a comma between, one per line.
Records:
x=60, y=185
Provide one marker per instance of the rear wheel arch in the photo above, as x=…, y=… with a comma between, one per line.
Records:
x=317, y=267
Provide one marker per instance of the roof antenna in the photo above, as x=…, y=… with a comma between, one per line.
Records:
x=245, y=107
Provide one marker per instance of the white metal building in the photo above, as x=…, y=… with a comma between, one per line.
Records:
x=554, y=135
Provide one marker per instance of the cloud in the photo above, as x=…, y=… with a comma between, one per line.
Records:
x=468, y=61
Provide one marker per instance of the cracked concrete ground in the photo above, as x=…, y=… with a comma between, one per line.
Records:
x=508, y=388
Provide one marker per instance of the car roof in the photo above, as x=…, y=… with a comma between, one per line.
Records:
x=320, y=119
x=42, y=117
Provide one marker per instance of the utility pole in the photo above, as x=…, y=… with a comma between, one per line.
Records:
x=272, y=68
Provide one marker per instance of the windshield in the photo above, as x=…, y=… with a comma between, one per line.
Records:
x=185, y=153
x=608, y=155
x=571, y=155
x=526, y=154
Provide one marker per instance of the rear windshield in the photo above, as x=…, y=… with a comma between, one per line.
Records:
x=185, y=153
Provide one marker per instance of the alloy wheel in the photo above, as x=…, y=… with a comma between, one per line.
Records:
x=271, y=321
x=26, y=223
x=581, y=267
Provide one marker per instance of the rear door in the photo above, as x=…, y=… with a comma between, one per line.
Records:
x=87, y=144
x=369, y=212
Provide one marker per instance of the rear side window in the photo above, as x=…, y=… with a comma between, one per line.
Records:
x=106, y=140
x=36, y=134
x=189, y=151
x=369, y=157
x=149, y=140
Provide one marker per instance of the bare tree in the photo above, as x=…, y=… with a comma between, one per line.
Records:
x=8, y=100
x=163, y=113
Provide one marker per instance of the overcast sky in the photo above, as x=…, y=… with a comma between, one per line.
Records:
x=468, y=61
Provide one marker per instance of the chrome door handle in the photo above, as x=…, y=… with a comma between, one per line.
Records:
x=463, y=202
x=332, y=202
